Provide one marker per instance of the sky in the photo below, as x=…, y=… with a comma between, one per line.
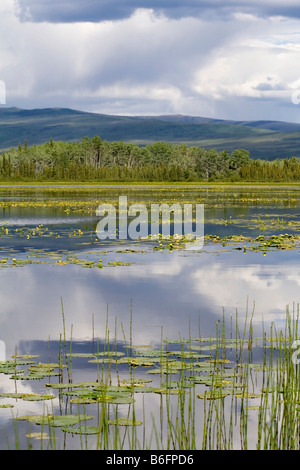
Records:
x=225, y=59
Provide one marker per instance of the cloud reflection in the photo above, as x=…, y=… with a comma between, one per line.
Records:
x=166, y=293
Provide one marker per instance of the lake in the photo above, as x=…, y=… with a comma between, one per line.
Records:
x=67, y=295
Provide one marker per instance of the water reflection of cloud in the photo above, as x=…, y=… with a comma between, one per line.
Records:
x=166, y=293
x=21, y=407
x=270, y=287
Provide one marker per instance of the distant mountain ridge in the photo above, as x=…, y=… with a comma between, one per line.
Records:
x=264, y=139
x=271, y=125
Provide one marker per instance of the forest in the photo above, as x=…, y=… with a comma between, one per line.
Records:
x=95, y=160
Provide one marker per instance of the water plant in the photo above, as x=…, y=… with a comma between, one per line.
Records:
x=207, y=401
x=221, y=391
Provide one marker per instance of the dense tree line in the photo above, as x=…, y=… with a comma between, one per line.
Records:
x=97, y=160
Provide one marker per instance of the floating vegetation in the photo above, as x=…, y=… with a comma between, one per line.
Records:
x=213, y=395
x=185, y=393
x=38, y=435
x=63, y=385
x=35, y=375
x=37, y=397
x=52, y=420
x=281, y=232
x=135, y=381
x=25, y=356
x=27, y=396
x=83, y=430
x=124, y=422
x=181, y=378
x=9, y=369
x=248, y=395
x=260, y=243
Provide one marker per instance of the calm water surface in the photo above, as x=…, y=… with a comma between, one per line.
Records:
x=48, y=237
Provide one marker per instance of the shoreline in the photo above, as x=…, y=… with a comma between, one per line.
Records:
x=144, y=184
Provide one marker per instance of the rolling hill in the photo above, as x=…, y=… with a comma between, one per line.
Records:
x=264, y=139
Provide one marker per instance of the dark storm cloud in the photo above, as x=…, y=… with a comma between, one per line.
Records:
x=94, y=10
x=219, y=59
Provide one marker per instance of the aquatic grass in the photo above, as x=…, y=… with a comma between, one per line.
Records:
x=243, y=391
x=205, y=402
x=279, y=427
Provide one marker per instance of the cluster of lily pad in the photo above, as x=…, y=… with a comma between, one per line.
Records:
x=260, y=243
x=209, y=372
x=188, y=364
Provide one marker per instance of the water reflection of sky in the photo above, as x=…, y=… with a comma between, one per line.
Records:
x=167, y=290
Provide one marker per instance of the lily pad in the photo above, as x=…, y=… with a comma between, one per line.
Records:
x=37, y=397
x=142, y=389
x=35, y=375
x=103, y=360
x=11, y=395
x=135, y=381
x=213, y=395
x=110, y=353
x=64, y=385
x=83, y=355
x=81, y=430
x=54, y=420
x=17, y=362
x=169, y=391
x=247, y=395
x=25, y=356
x=9, y=370
x=38, y=435
x=83, y=401
x=154, y=371
x=124, y=422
